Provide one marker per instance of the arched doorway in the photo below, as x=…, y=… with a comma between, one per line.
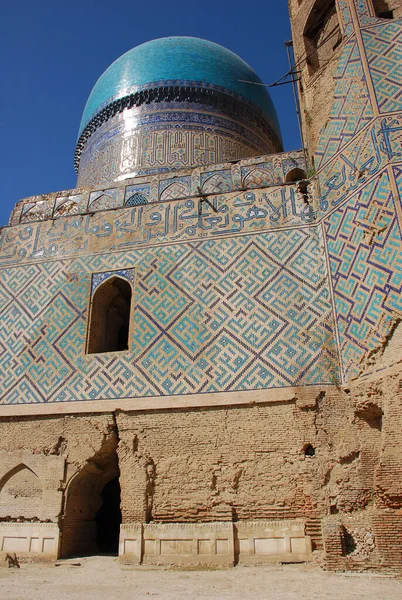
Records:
x=92, y=516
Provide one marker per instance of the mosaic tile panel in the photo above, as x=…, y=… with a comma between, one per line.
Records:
x=383, y=46
x=217, y=182
x=142, y=189
x=257, y=176
x=228, y=314
x=365, y=250
x=136, y=199
x=159, y=139
x=105, y=199
x=70, y=205
x=398, y=179
x=365, y=12
x=157, y=223
x=98, y=278
x=346, y=21
x=368, y=153
x=41, y=210
x=292, y=162
x=351, y=109
x=16, y=214
x=152, y=188
x=171, y=189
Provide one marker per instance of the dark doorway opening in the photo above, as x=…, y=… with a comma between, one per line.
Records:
x=91, y=518
x=108, y=519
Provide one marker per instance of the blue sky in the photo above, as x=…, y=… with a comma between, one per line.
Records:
x=52, y=52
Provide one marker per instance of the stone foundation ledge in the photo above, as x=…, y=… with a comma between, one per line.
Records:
x=272, y=541
x=36, y=540
x=216, y=544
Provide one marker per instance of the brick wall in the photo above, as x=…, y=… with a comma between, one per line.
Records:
x=326, y=456
x=315, y=67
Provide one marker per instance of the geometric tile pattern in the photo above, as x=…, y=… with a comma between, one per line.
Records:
x=69, y=205
x=37, y=211
x=229, y=296
x=398, y=179
x=366, y=155
x=365, y=252
x=351, y=109
x=383, y=45
x=149, y=139
x=365, y=13
x=217, y=182
x=180, y=188
x=140, y=189
x=136, y=200
x=345, y=17
x=273, y=170
x=362, y=232
x=104, y=200
x=235, y=313
x=259, y=176
x=156, y=223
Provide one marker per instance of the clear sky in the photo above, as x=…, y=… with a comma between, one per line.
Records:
x=52, y=52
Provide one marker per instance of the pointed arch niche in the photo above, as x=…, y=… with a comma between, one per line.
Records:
x=21, y=493
x=109, y=316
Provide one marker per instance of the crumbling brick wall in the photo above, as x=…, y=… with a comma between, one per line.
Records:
x=39, y=455
x=366, y=483
x=214, y=464
x=328, y=456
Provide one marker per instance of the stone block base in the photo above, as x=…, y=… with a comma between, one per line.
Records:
x=36, y=540
x=271, y=541
x=131, y=542
x=220, y=544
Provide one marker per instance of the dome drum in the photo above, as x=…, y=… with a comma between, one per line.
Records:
x=165, y=128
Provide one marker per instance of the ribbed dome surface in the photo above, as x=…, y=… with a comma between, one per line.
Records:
x=178, y=59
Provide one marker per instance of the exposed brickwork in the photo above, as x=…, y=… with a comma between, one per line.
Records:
x=316, y=73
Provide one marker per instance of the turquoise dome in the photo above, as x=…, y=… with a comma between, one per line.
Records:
x=178, y=59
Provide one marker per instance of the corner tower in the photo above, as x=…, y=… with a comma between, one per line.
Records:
x=171, y=103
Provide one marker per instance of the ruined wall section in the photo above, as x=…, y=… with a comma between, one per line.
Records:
x=39, y=456
x=221, y=464
x=329, y=458
x=30, y=486
x=364, y=529
x=41, y=459
x=383, y=8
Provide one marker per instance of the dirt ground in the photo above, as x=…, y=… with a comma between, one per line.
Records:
x=102, y=578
